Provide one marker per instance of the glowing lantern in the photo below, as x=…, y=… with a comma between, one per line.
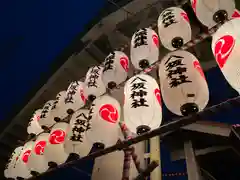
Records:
x=54, y=150
x=75, y=97
x=142, y=104
x=183, y=85
x=94, y=84
x=225, y=47
x=37, y=162
x=144, y=48
x=76, y=141
x=45, y=118
x=104, y=116
x=33, y=126
x=211, y=12
x=9, y=172
x=58, y=109
x=22, y=170
x=236, y=14
x=174, y=28
x=116, y=66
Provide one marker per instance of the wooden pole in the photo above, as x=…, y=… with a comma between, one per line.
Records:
x=155, y=156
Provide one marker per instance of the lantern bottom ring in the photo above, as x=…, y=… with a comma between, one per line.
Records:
x=70, y=111
x=31, y=136
x=52, y=164
x=72, y=157
x=20, y=178
x=220, y=16
x=91, y=97
x=177, y=42
x=144, y=63
x=112, y=85
x=189, y=108
x=45, y=128
x=142, y=129
x=99, y=145
x=34, y=173
x=57, y=119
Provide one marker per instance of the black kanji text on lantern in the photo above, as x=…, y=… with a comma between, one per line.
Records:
x=45, y=110
x=176, y=71
x=108, y=63
x=168, y=18
x=80, y=126
x=138, y=92
x=56, y=102
x=94, y=75
x=140, y=38
x=71, y=91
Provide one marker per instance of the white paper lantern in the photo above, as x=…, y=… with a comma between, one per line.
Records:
x=21, y=167
x=183, y=85
x=76, y=141
x=104, y=116
x=37, y=161
x=225, y=47
x=33, y=126
x=116, y=66
x=236, y=14
x=144, y=48
x=9, y=172
x=94, y=86
x=54, y=150
x=174, y=28
x=45, y=118
x=75, y=97
x=211, y=12
x=58, y=109
x=142, y=104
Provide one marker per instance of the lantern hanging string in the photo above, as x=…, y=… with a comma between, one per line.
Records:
x=127, y=135
x=163, y=130
x=199, y=38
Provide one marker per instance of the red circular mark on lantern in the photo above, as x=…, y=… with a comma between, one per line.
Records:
x=158, y=95
x=236, y=14
x=82, y=96
x=155, y=40
x=109, y=113
x=124, y=63
x=223, y=49
x=57, y=137
x=39, y=147
x=198, y=67
x=194, y=6
x=185, y=16
x=25, y=156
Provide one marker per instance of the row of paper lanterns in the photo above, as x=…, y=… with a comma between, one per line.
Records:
x=182, y=86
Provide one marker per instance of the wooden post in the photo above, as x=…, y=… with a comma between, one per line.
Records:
x=192, y=166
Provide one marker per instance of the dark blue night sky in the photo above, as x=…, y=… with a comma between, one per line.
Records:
x=32, y=35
